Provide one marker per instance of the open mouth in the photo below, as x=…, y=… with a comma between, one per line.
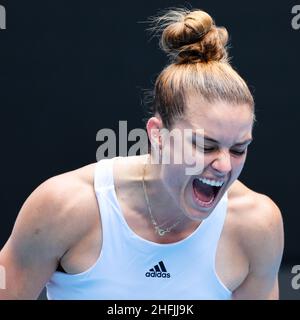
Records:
x=205, y=193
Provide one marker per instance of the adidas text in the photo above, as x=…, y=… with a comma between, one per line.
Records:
x=157, y=274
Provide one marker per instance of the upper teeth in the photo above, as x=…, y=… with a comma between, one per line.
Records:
x=212, y=182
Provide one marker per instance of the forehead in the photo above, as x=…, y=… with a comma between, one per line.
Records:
x=219, y=119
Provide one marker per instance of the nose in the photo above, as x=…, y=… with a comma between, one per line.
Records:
x=222, y=163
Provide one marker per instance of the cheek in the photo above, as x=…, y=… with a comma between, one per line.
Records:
x=174, y=177
x=194, y=162
x=237, y=165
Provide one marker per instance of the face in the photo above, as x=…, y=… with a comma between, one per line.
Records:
x=227, y=131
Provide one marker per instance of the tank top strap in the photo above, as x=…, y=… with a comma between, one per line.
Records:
x=103, y=176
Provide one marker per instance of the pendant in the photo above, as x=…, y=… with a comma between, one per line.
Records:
x=160, y=231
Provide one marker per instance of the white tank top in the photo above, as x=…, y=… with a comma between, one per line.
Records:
x=132, y=268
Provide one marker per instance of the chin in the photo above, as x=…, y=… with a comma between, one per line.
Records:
x=196, y=215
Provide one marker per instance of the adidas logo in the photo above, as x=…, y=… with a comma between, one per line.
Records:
x=158, y=271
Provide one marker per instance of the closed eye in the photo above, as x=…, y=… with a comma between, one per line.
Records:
x=211, y=149
x=239, y=153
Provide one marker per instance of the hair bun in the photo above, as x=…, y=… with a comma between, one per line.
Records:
x=191, y=36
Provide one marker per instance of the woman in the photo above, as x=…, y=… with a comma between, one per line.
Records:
x=161, y=233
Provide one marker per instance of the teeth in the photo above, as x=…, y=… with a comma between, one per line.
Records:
x=213, y=183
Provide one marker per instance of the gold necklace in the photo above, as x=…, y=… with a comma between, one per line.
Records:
x=158, y=229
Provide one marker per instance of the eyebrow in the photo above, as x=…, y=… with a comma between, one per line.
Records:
x=215, y=141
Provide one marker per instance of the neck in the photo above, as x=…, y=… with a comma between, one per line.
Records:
x=160, y=205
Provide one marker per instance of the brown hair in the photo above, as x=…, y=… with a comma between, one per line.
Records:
x=198, y=63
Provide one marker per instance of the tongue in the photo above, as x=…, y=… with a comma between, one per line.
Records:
x=203, y=191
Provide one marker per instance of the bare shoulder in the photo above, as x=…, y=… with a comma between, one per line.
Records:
x=72, y=193
x=51, y=221
x=60, y=208
x=254, y=210
x=257, y=223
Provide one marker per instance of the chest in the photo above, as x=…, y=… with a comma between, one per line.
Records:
x=231, y=265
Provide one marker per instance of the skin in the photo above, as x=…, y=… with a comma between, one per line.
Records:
x=55, y=226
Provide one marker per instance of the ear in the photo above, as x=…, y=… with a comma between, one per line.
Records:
x=154, y=125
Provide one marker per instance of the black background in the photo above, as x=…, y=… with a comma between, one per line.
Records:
x=70, y=68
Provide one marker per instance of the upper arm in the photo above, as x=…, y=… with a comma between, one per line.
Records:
x=31, y=254
x=263, y=242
